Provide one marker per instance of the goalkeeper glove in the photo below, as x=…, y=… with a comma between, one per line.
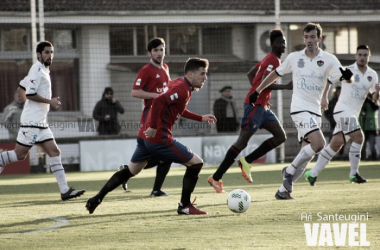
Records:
x=253, y=97
x=346, y=74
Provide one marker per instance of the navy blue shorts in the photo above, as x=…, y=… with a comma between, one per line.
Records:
x=256, y=117
x=174, y=152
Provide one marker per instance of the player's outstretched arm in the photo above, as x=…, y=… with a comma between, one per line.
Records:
x=267, y=81
x=139, y=93
x=200, y=118
x=288, y=86
x=210, y=119
x=346, y=75
x=264, y=84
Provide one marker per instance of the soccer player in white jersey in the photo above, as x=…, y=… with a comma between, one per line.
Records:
x=312, y=68
x=346, y=113
x=34, y=129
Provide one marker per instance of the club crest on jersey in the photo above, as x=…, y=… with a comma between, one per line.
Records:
x=174, y=96
x=157, y=76
x=369, y=78
x=32, y=81
x=320, y=63
x=301, y=63
x=357, y=78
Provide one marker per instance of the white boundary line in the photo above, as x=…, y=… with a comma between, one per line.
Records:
x=60, y=222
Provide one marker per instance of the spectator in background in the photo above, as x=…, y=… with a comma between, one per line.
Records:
x=225, y=111
x=106, y=111
x=12, y=114
x=368, y=122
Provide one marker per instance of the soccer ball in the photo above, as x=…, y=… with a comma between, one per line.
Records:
x=238, y=201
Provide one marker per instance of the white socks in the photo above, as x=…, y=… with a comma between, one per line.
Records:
x=297, y=173
x=299, y=164
x=305, y=155
x=299, y=170
x=354, y=156
x=59, y=173
x=323, y=159
x=7, y=157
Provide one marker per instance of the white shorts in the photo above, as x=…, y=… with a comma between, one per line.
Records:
x=346, y=123
x=306, y=123
x=28, y=136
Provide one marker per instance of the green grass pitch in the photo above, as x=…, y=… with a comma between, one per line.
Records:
x=33, y=216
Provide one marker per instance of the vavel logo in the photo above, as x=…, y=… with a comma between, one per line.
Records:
x=337, y=230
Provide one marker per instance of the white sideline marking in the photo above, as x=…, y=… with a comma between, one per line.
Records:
x=60, y=222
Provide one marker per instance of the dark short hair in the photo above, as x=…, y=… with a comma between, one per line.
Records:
x=41, y=46
x=193, y=64
x=154, y=43
x=313, y=26
x=363, y=46
x=273, y=34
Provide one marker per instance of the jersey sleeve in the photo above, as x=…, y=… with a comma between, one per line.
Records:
x=375, y=80
x=268, y=65
x=334, y=73
x=33, y=83
x=191, y=115
x=143, y=77
x=24, y=83
x=176, y=94
x=286, y=66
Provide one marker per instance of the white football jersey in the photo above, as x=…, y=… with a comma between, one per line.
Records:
x=352, y=95
x=309, y=78
x=37, y=82
x=24, y=82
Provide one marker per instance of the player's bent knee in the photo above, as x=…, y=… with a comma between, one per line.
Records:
x=196, y=166
x=280, y=140
x=194, y=161
x=319, y=147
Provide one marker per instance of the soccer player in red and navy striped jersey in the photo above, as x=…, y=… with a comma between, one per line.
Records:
x=155, y=139
x=257, y=115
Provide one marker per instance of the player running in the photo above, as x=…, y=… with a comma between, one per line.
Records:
x=310, y=69
x=346, y=115
x=155, y=137
x=256, y=116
